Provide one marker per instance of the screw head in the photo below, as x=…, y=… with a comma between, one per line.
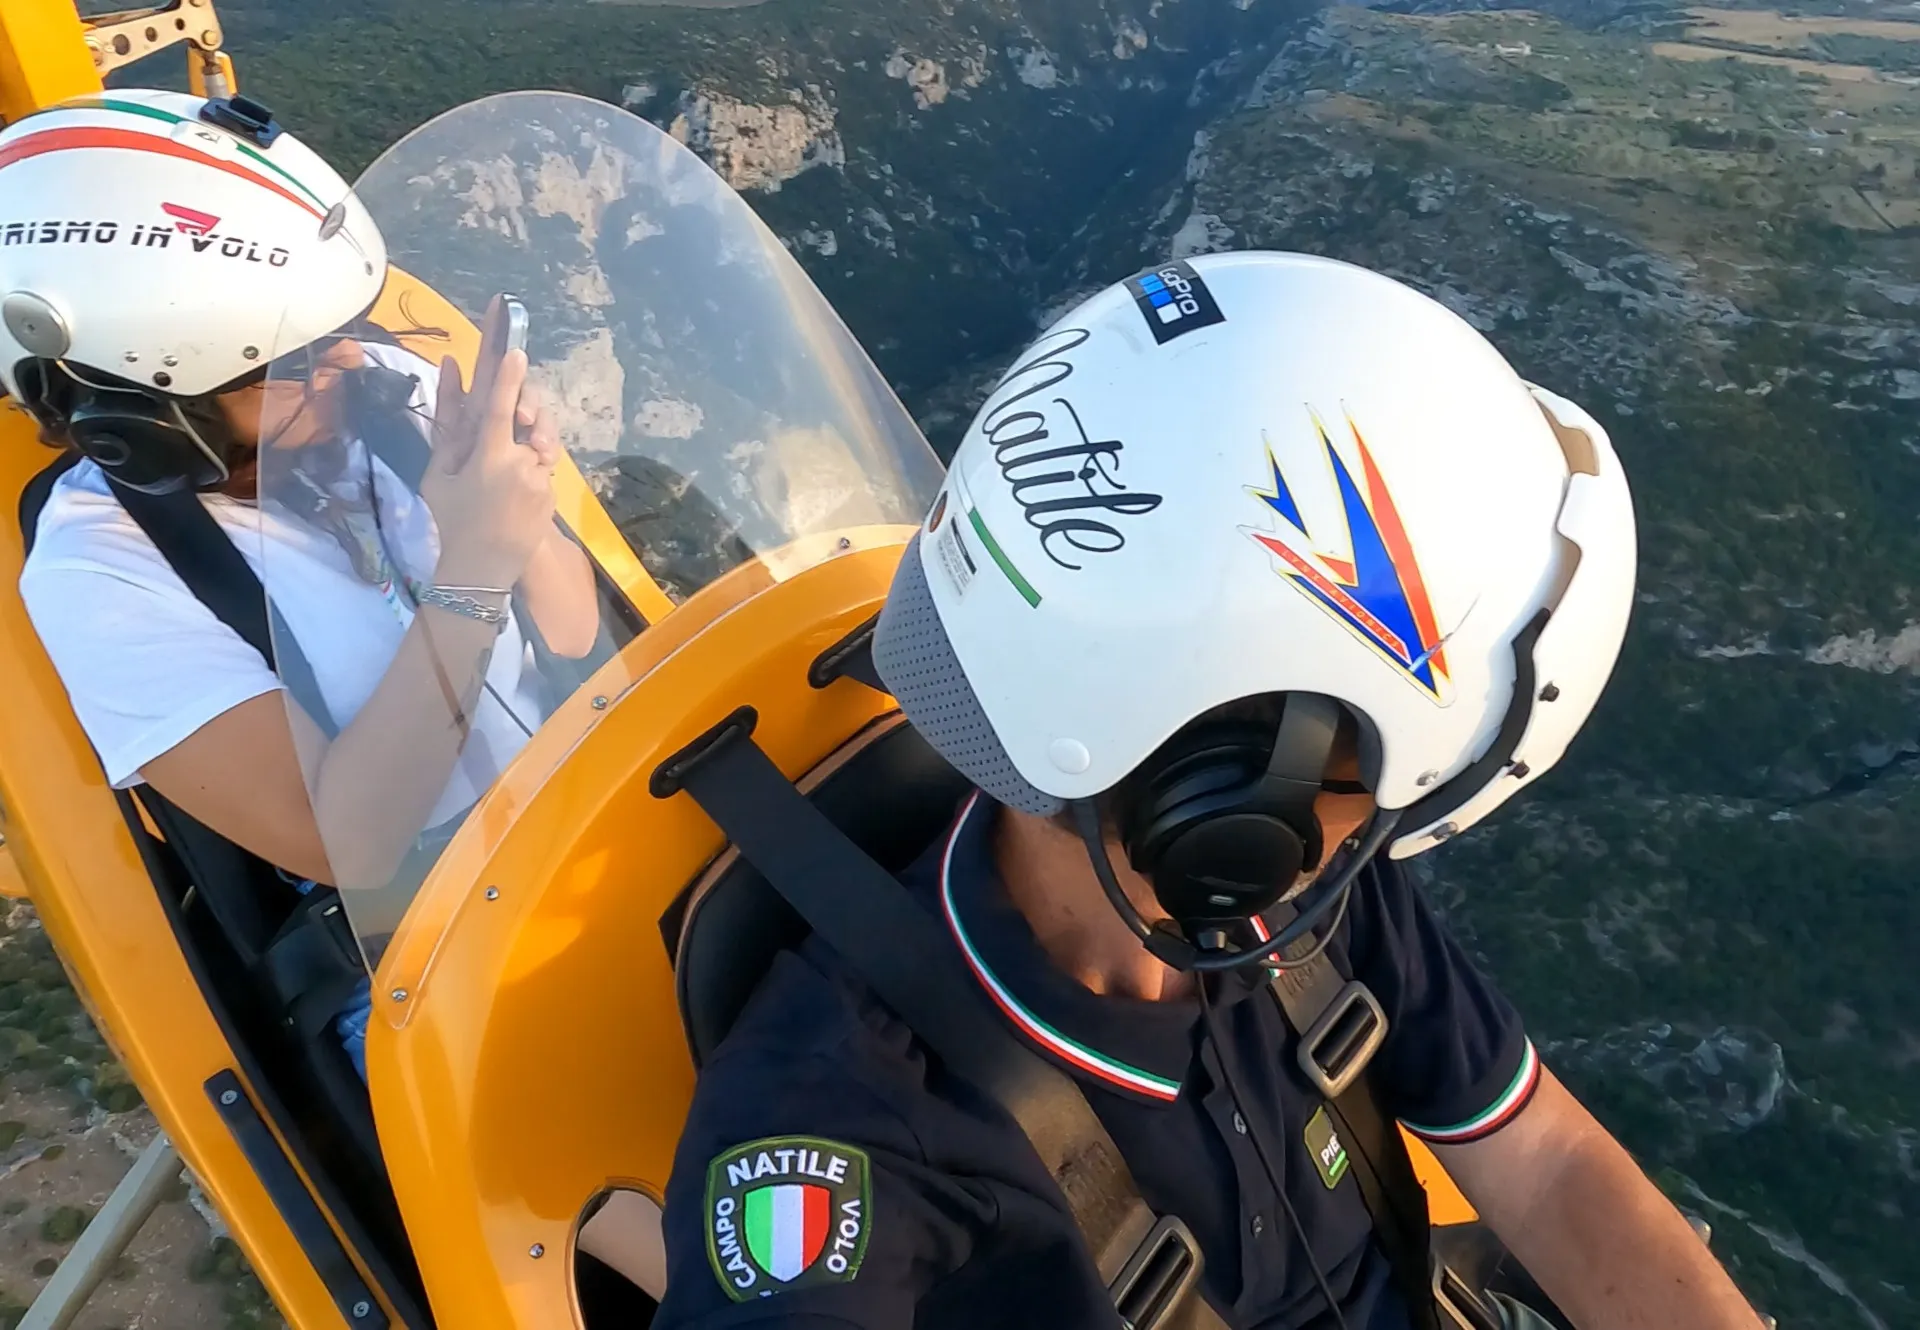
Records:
x=398, y=995
x=1426, y=778
x=133, y=357
x=361, y=1310
x=493, y=893
x=1551, y=693
x=845, y=544
x=250, y=353
x=229, y=1097
x=170, y=361
x=599, y=704
x=537, y=1250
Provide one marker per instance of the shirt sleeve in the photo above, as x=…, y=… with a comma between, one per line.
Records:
x=742, y=1246
x=1456, y=1065
x=145, y=664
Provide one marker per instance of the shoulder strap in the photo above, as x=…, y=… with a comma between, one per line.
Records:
x=213, y=568
x=206, y=559
x=1316, y=995
x=35, y=493
x=864, y=913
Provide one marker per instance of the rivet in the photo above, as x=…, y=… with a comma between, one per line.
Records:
x=163, y=380
x=493, y=893
x=600, y=704
x=361, y=1310
x=537, y=1250
x=250, y=353
x=1426, y=778
x=1446, y=831
x=398, y=995
x=1551, y=693
x=229, y=1097
x=1070, y=756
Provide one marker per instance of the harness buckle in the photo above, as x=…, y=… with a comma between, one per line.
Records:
x=1459, y=1305
x=1163, y=1272
x=1343, y=1040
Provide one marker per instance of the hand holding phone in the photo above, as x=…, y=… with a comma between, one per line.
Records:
x=492, y=499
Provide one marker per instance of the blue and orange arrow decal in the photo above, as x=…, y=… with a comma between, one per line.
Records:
x=1370, y=581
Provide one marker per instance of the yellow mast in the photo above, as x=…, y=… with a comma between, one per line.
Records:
x=44, y=57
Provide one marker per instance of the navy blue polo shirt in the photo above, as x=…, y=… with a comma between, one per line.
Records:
x=832, y=1175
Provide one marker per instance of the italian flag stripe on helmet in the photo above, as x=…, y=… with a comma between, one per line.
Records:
x=266, y=164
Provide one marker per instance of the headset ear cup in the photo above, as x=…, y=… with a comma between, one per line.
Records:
x=1227, y=867
x=143, y=444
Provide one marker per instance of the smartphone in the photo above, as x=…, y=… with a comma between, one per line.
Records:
x=503, y=329
x=516, y=323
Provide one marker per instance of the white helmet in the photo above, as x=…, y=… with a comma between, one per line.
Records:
x=172, y=243
x=1261, y=474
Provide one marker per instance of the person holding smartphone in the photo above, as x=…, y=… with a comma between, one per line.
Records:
x=147, y=361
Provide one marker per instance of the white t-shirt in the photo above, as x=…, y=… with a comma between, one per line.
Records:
x=145, y=664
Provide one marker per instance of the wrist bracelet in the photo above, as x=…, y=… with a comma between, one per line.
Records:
x=457, y=600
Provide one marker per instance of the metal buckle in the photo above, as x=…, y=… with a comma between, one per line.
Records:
x=1157, y=1280
x=1343, y=1040
x=1459, y=1304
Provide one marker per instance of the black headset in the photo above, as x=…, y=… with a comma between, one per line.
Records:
x=161, y=445
x=1221, y=821
x=142, y=441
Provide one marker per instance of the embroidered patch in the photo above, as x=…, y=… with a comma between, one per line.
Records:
x=1324, y=1147
x=787, y=1212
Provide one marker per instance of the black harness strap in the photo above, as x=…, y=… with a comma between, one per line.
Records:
x=1309, y=994
x=311, y=963
x=860, y=910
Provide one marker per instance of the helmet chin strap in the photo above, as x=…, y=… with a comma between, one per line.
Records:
x=1173, y=948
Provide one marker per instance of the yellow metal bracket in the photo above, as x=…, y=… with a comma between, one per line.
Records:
x=122, y=38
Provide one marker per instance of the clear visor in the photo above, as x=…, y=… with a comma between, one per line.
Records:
x=471, y=504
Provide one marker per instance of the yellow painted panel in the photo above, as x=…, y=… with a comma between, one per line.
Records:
x=12, y=885
x=43, y=56
x=92, y=893
x=536, y=1055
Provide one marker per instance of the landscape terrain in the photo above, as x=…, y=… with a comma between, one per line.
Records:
x=1703, y=223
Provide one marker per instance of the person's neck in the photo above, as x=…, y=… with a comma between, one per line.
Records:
x=1050, y=881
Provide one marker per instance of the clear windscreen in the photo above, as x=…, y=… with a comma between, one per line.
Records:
x=455, y=537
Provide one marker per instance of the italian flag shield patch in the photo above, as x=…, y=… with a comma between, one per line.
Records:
x=785, y=1213
x=787, y=1227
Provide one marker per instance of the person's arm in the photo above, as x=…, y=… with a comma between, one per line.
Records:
x=558, y=585
x=1578, y=1213
x=562, y=597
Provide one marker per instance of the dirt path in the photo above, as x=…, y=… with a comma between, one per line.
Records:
x=70, y=1127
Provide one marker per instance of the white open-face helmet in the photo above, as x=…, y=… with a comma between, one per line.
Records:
x=1259, y=474
x=171, y=243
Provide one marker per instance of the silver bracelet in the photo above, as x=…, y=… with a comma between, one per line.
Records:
x=460, y=600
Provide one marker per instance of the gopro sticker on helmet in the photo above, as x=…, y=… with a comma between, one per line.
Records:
x=1174, y=300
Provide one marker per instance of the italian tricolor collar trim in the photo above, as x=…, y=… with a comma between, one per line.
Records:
x=1079, y=1056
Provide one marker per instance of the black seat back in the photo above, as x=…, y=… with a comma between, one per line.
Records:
x=886, y=789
